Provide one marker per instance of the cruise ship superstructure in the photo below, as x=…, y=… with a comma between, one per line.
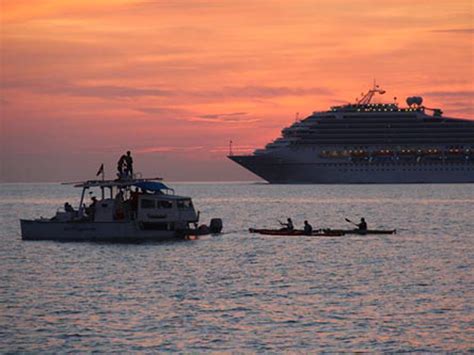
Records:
x=369, y=142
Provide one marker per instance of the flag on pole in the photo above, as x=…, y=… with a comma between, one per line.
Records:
x=101, y=170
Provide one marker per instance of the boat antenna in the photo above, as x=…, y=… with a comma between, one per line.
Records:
x=230, y=148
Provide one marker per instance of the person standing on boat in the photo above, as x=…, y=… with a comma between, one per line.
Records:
x=362, y=226
x=90, y=210
x=121, y=165
x=129, y=164
x=308, y=228
x=288, y=225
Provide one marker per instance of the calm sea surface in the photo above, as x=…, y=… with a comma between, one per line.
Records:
x=413, y=291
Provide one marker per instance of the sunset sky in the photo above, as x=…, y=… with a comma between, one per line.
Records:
x=173, y=81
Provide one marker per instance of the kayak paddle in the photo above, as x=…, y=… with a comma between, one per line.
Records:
x=348, y=220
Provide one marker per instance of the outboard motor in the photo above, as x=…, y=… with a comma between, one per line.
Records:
x=216, y=225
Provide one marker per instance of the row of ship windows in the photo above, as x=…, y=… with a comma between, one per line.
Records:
x=407, y=116
x=410, y=148
x=401, y=147
x=449, y=165
x=404, y=169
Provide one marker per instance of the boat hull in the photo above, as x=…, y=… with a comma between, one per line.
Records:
x=302, y=168
x=116, y=232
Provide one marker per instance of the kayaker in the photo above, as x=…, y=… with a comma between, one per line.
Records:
x=362, y=226
x=288, y=225
x=308, y=228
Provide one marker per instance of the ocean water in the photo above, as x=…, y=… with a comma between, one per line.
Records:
x=413, y=291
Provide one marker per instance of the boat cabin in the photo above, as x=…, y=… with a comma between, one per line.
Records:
x=151, y=204
x=159, y=211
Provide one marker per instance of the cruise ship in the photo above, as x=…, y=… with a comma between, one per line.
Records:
x=369, y=143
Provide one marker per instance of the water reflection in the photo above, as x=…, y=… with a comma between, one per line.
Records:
x=409, y=292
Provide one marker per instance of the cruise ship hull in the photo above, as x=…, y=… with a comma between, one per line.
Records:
x=284, y=170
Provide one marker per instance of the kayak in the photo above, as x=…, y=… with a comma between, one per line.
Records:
x=298, y=232
x=321, y=232
x=361, y=232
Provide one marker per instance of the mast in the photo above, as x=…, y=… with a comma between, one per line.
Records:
x=365, y=100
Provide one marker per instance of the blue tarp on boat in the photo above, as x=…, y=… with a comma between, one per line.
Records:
x=152, y=186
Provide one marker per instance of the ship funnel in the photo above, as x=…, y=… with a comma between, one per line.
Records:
x=414, y=100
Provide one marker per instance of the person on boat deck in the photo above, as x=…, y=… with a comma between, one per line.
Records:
x=308, y=228
x=121, y=166
x=362, y=225
x=129, y=164
x=90, y=210
x=119, y=205
x=134, y=199
x=68, y=207
x=119, y=196
x=288, y=225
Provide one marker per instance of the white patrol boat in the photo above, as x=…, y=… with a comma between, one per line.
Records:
x=128, y=210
